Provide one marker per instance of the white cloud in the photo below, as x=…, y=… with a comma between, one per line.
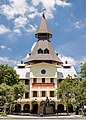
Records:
x=26, y=57
x=3, y=29
x=21, y=12
x=79, y=24
x=50, y=5
x=5, y=47
x=33, y=15
x=62, y=3
x=2, y=47
x=9, y=49
x=35, y=2
x=6, y=60
x=20, y=22
x=69, y=59
x=72, y=61
x=31, y=28
x=15, y=7
x=17, y=31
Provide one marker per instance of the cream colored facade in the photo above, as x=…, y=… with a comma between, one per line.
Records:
x=39, y=86
x=41, y=74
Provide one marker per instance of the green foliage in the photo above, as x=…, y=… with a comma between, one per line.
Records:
x=83, y=70
x=8, y=75
x=73, y=91
x=10, y=86
x=83, y=91
x=18, y=89
x=69, y=91
x=6, y=93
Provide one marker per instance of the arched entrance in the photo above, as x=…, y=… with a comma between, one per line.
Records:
x=17, y=108
x=34, y=107
x=70, y=108
x=60, y=108
x=42, y=103
x=26, y=108
x=52, y=103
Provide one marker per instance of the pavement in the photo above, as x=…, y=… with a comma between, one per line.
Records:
x=18, y=117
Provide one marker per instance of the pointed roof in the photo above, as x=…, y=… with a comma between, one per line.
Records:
x=43, y=45
x=43, y=28
x=43, y=50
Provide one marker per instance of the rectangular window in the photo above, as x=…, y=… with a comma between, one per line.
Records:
x=26, y=94
x=43, y=80
x=34, y=93
x=34, y=80
x=51, y=80
x=43, y=94
x=51, y=93
x=26, y=82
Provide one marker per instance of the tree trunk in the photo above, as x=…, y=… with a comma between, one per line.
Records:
x=10, y=108
x=67, y=109
x=4, y=109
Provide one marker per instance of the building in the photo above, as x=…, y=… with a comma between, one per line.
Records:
x=40, y=73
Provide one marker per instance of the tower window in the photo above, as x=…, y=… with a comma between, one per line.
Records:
x=40, y=51
x=46, y=51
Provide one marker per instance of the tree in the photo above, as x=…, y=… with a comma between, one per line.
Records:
x=5, y=95
x=8, y=75
x=9, y=94
x=65, y=91
x=83, y=85
x=83, y=70
x=83, y=94
x=18, y=89
x=69, y=91
x=10, y=87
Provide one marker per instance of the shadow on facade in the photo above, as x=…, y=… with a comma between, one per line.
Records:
x=26, y=108
x=34, y=107
x=60, y=108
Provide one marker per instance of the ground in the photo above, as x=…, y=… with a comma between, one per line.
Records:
x=72, y=117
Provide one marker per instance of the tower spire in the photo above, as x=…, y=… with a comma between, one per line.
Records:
x=43, y=31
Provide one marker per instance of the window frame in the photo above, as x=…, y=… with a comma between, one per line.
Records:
x=43, y=94
x=26, y=94
x=46, y=51
x=43, y=80
x=51, y=80
x=34, y=93
x=26, y=82
x=34, y=80
x=40, y=51
x=51, y=93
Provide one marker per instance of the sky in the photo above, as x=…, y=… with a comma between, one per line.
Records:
x=66, y=20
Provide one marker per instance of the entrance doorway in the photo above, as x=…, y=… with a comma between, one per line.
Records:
x=60, y=108
x=35, y=107
x=52, y=103
x=17, y=108
x=26, y=108
x=70, y=108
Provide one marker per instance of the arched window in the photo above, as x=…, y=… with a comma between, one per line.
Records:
x=46, y=51
x=40, y=51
